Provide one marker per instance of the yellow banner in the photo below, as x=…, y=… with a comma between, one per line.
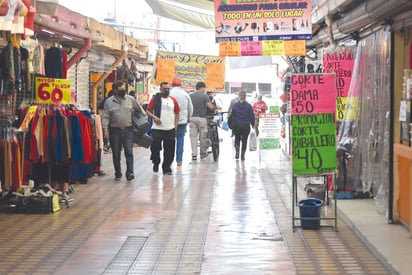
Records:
x=29, y=116
x=53, y=90
x=273, y=47
x=346, y=108
x=191, y=68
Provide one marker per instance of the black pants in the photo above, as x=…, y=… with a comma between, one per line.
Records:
x=241, y=134
x=168, y=138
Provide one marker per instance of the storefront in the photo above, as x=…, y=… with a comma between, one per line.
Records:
x=401, y=137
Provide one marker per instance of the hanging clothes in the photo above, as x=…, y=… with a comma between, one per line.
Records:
x=7, y=70
x=53, y=62
x=62, y=140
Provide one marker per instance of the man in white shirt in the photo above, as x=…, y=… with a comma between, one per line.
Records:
x=164, y=112
x=186, y=111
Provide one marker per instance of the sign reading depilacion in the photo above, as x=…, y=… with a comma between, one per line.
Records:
x=341, y=63
x=191, y=68
x=313, y=99
x=252, y=20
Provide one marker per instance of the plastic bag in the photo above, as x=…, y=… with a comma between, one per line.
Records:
x=225, y=126
x=252, y=141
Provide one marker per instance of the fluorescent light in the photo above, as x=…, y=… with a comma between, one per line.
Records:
x=67, y=37
x=45, y=30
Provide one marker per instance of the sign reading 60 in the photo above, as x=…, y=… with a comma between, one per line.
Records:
x=53, y=91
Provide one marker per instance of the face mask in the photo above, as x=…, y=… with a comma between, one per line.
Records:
x=165, y=92
x=121, y=93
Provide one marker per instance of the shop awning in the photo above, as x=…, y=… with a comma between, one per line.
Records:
x=194, y=12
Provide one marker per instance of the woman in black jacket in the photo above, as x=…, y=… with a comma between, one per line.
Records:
x=242, y=117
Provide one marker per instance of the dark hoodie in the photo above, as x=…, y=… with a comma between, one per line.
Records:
x=242, y=113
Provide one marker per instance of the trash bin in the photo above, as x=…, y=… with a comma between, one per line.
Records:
x=310, y=208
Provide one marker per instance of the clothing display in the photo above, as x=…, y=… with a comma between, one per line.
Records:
x=64, y=139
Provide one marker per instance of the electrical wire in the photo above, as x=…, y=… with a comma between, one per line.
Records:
x=156, y=30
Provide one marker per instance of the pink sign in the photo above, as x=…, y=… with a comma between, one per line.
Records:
x=251, y=48
x=342, y=64
x=313, y=93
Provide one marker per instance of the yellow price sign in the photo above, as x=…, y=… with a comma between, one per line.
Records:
x=53, y=90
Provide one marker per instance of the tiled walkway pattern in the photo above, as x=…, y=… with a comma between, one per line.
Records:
x=316, y=251
x=229, y=217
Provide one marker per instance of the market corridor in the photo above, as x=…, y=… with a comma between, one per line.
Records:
x=229, y=217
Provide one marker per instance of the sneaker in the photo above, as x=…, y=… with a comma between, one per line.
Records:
x=194, y=157
x=155, y=167
x=179, y=164
x=203, y=157
x=101, y=173
x=167, y=172
x=117, y=178
x=130, y=177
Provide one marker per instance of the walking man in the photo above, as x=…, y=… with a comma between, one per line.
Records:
x=198, y=122
x=259, y=107
x=164, y=112
x=117, y=126
x=186, y=111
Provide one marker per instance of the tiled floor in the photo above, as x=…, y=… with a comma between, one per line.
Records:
x=229, y=217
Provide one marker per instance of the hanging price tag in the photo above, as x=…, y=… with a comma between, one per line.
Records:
x=53, y=91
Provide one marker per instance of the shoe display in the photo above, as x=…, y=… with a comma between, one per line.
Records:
x=130, y=177
x=155, y=167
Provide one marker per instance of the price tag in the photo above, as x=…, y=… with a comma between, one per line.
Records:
x=53, y=91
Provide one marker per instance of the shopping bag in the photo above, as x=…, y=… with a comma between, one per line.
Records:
x=225, y=126
x=140, y=122
x=252, y=141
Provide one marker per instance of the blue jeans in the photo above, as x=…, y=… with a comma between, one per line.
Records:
x=122, y=138
x=180, y=141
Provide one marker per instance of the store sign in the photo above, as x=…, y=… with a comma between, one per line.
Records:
x=313, y=144
x=269, y=131
x=262, y=20
x=342, y=64
x=191, y=68
x=53, y=91
x=313, y=103
x=263, y=48
x=313, y=93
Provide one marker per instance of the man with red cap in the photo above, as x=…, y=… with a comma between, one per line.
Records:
x=186, y=111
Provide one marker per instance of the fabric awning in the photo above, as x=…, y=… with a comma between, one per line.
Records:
x=194, y=12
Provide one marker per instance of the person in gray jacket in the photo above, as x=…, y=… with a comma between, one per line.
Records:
x=117, y=126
